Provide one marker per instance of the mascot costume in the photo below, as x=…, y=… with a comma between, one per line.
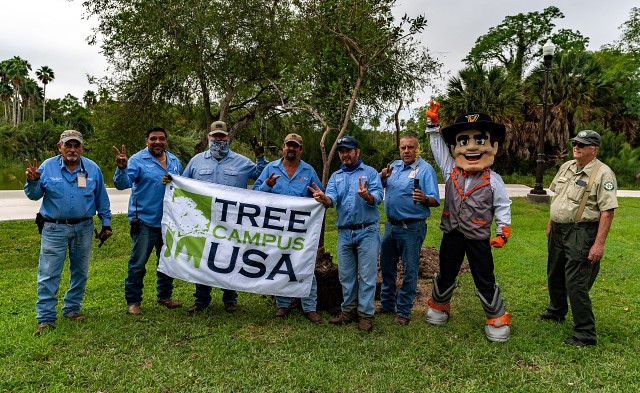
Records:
x=474, y=195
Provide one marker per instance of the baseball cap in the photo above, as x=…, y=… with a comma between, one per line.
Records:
x=349, y=142
x=293, y=138
x=473, y=121
x=588, y=137
x=218, y=127
x=71, y=135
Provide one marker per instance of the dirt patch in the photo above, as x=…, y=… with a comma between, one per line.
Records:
x=330, y=290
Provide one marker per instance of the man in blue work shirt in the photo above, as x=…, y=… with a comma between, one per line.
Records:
x=356, y=191
x=143, y=173
x=292, y=176
x=220, y=165
x=411, y=188
x=72, y=188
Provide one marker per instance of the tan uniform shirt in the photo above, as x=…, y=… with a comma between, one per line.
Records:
x=571, y=184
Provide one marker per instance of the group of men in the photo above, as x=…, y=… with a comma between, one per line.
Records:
x=73, y=191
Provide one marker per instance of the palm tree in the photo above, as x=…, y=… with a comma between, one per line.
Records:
x=6, y=92
x=17, y=71
x=30, y=94
x=90, y=99
x=45, y=75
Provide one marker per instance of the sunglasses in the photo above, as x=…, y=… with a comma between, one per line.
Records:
x=580, y=145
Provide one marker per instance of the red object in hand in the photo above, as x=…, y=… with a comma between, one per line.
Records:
x=432, y=112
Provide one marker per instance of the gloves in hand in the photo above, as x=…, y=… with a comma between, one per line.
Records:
x=104, y=234
x=166, y=179
x=432, y=113
x=257, y=147
x=500, y=240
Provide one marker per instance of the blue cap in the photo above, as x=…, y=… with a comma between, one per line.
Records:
x=348, y=141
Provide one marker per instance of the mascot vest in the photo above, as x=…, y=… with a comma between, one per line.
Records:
x=471, y=213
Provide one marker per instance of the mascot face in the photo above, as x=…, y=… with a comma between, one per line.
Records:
x=473, y=151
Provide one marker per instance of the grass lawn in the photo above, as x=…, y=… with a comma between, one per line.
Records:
x=171, y=351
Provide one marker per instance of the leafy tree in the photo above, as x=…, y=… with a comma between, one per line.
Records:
x=45, y=75
x=90, y=99
x=15, y=71
x=630, y=39
x=354, y=56
x=518, y=40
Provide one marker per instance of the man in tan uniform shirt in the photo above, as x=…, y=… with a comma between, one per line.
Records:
x=576, y=239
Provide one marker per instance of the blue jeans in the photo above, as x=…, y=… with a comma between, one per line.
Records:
x=203, y=295
x=357, y=268
x=56, y=239
x=143, y=244
x=406, y=243
x=308, y=303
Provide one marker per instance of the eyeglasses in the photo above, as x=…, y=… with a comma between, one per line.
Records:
x=580, y=145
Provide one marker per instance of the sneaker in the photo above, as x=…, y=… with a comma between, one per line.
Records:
x=579, y=342
x=281, y=312
x=313, y=317
x=437, y=314
x=550, y=317
x=196, y=308
x=44, y=326
x=169, y=303
x=365, y=324
x=134, y=309
x=341, y=319
x=402, y=321
x=76, y=317
x=230, y=307
x=498, y=329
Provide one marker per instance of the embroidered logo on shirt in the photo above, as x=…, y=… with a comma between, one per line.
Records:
x=608, y=185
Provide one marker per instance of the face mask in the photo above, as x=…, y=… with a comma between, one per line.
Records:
x=219, y=148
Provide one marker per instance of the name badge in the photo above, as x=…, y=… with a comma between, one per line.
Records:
x=82, y=181
x=413, y=173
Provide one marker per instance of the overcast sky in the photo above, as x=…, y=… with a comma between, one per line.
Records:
x=53, y=32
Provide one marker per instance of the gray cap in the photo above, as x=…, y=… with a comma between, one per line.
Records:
x=218, y=127
x=588, y=137
x=71, y=135
x=349, y=142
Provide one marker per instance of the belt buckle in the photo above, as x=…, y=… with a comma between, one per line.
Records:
x=404, y=224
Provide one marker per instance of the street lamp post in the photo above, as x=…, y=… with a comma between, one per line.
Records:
x=538, y=193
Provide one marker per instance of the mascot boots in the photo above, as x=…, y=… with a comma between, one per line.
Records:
x=439, y=309
x=497, y=327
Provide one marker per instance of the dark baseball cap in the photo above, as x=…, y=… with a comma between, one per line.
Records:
x=347, y=141
x=588, y=137
x=473, y=121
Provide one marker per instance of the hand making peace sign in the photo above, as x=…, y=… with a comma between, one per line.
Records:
x=32, y=170
x=121, y=157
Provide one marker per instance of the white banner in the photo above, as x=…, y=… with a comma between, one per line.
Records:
x=239, y=239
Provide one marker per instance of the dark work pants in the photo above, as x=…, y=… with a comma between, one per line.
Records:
x=453, y=248
x=570, y=274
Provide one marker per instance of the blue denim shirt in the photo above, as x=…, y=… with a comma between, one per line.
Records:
x=351, y=209
x=63, y=199
x=234, y=170
x=144, y=176
x=398, y=199
x=304, y=176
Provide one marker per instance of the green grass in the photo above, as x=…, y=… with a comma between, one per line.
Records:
x=168, y=350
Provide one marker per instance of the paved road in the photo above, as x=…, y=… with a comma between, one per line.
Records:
x=14, y=205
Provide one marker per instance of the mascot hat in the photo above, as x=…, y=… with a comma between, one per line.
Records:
x=473, y=121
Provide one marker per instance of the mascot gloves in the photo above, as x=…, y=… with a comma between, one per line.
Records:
x=500, y=240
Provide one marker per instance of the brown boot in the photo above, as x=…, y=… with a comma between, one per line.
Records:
x=134, y=309
x=313, y=317
x=76, y=317
x=341, y=319
x=282, y=312
x=44, y=326
x=169, y=303
x=365, y=324
x=402, y=321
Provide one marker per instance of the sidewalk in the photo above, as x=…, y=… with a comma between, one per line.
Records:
x=14, y=205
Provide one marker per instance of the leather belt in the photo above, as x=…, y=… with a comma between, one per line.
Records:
x=355, y=227
x=69, y=221
x=405, y=221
